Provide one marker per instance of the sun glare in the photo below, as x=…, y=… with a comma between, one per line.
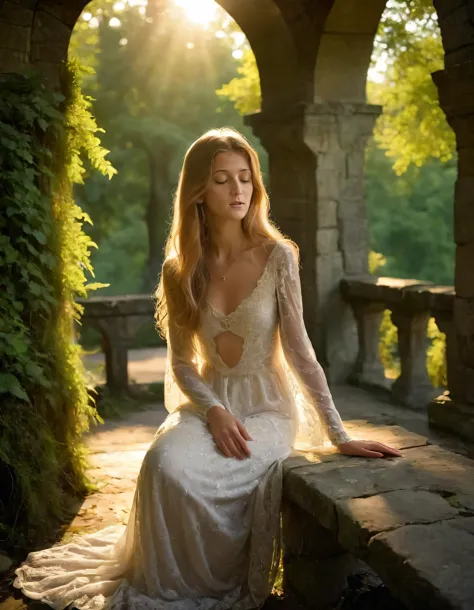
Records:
x=198, y=11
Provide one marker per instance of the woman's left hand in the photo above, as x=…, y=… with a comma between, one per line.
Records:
x=368, y=449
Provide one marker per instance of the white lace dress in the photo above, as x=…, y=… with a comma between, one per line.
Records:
x=204, y=529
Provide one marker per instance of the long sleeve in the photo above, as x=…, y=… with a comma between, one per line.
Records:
x=298, y=349
x=180, y=355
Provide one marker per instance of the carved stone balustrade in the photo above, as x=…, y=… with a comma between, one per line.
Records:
x=411, y=303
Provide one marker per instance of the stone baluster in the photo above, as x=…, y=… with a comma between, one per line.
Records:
x=413, y=387
x=368, y=369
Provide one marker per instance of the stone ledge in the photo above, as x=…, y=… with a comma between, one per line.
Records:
x=428, y=566
x=126, y=305
x=372, y=506
x=411, y=293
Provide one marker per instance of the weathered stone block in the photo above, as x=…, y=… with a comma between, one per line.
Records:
x=12, y=61
x=353, y=235
x=326, y=211
x=327, y=241
x=457, y=28
x=16, y=14
x=331, y=161
x=322, y=134
x=466, y=161
x=49, y=30
x=425, y=565
x=14, y=37
x=362, y=518
x=355, y=164
x=328, y=184
x=356, y=262
x=463, y=124
x=66, y=12
x=46, y=53
x=352, y=192
x=463, y=316
x=464, y=275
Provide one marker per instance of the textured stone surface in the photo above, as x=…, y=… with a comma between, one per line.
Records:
x=11, y=12
x=428, y=566
x=14, y=37
x=316, y=487
x=359, y=519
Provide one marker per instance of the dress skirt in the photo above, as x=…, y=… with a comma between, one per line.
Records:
x=203, y=531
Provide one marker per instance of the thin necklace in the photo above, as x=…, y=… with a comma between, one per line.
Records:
x=224, y=277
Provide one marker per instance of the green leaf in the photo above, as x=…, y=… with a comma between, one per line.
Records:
x=10, y=384
x=40, y=236
x=43, y=124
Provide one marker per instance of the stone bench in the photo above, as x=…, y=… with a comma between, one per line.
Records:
x=411, y=519
x=117, y=319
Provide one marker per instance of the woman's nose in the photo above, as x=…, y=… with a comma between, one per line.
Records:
x=236, y=187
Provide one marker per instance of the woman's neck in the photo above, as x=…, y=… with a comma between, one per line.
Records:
x=227, y=240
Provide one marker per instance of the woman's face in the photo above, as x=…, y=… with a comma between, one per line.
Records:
x=230, y=187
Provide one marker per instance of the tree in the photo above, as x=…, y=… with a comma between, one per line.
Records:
x=412, y=128
x=155, y=89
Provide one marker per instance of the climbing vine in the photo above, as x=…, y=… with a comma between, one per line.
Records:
x=44, y=258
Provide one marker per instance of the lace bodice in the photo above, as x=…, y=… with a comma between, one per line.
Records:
x=268, y=331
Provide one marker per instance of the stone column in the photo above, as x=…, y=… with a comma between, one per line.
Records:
x=316, y=155
x=456, y=93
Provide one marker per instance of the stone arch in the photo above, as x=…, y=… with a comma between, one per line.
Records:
x=345, y=49
x=281, y=76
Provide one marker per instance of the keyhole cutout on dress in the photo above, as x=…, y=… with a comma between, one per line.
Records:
x=230, y=347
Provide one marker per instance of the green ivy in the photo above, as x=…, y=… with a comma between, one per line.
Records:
x=44, y=257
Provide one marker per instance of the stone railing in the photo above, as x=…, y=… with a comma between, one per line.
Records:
x=411, y=304
x=117, y=319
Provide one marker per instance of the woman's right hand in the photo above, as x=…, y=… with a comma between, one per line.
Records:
x=228, y=433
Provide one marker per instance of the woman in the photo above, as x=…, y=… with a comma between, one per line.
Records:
x=243, y=387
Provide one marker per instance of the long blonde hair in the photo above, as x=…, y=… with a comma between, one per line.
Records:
x=188, y=238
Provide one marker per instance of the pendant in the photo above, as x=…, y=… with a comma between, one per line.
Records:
x=223, y=278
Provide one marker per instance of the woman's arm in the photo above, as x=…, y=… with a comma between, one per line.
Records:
x=302, y=359
x=180, y=353
x=229, y=434
x=298, y=348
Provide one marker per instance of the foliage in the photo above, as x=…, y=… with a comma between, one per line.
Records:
x=154, y=87
x=244, y=90
x=436, y=356
x=412, y=128
x=410, y=217
x=43, y=258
